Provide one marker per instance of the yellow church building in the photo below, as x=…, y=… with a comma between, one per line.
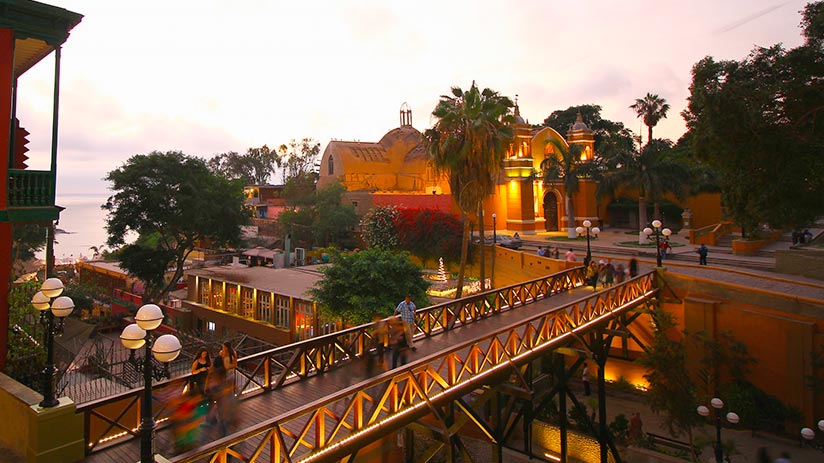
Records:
x=397, y=171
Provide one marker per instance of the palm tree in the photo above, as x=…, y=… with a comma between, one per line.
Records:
x=468, y=143
x=651, y=109
x=566, y=167
x=654, y=171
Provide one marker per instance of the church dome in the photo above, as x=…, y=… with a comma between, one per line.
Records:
x=579, y=124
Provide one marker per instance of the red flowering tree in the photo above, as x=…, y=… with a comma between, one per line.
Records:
x=429, y=234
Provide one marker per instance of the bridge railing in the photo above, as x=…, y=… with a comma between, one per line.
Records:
x=336, y=426
x=109, y=421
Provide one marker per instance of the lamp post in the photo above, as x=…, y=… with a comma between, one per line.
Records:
x=718, y=404
x=494, y=229
x=165, y=349
x=61, y=306
x=657, y=231
x=809, y=435
x=494, y=244
x=588, y=228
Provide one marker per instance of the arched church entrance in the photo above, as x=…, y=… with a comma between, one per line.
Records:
x=551, y=211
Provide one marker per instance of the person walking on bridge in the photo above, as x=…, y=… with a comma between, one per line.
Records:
x=406, y=309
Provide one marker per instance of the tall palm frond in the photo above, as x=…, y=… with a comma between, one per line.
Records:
x=651, y=108
x=468, y=143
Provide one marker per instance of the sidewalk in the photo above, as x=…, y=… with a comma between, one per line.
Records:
x=683, y=254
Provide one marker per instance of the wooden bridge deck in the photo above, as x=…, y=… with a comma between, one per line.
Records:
x=262, y=407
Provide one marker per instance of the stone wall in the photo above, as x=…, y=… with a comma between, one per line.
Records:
x=808, y=262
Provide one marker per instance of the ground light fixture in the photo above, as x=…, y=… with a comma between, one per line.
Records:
x=165, y=349
x=590, y=230
x=732, y=418
x=51, y=305
x=658, y=232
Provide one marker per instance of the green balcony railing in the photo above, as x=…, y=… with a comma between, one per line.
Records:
x=30, y=188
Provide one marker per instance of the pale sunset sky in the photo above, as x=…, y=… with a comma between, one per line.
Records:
x=207, y=77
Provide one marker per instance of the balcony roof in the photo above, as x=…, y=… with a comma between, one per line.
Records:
x=38, y=30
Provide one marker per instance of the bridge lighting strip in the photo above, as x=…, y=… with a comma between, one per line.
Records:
x=423, y=404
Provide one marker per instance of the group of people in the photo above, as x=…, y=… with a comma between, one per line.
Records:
x=802, y=237
x=394, y=333
x=552, y=252
x=606, y=274
x=208, y=396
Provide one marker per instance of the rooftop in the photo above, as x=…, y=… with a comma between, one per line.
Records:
x=293, y=282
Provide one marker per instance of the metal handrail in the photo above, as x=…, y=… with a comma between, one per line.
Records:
x=110, y=420
x=338, y=425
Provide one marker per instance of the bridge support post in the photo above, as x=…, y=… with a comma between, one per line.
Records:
x=408, y=439
x=495, y=422
x=558, y=360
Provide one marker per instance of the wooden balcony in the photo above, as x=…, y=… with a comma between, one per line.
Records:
x=30, y=196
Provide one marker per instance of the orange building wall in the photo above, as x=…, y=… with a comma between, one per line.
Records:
x=705, y=209
x=780, y=331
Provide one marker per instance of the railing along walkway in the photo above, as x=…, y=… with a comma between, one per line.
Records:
x=299, y=365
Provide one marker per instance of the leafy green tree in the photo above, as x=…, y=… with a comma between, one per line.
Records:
x=253, y=168
x=606, y=131
x=653, y=171
x=378, y=227
x=372, y=282
x=468, y=143
x=172, y=202
x=651, y=108
x=672, y=391
x=299, y=158
x=319, y=218
x=27, y=240
x=566, y=167
x=758, y=122
x=334, y=220
x=26, y=356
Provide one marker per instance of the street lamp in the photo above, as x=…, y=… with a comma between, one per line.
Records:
x=165, y=349
x=717, y=404
x=587, y=228
x=809, y=435
x=657, y=231
x=61, y=306
x=494, y=243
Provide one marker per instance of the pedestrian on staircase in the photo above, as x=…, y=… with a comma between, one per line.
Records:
x=702, y=254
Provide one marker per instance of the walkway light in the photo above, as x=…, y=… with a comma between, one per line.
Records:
x=165, y=349
x=43, y=300
x=809, y=435
x=657, y=231
x=588, y=228
x=717, y=404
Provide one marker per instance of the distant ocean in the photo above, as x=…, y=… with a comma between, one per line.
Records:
x=82, y=225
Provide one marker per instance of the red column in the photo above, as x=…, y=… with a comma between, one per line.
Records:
x=6, y=63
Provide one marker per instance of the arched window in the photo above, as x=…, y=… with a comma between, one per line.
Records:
x=331, y=166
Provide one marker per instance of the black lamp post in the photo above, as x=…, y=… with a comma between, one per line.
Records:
x=165, y=349
x=657, y=231
x=494, y=229
x=809, y=435
x=718, y=404
x=589, y=229
x=45, y=299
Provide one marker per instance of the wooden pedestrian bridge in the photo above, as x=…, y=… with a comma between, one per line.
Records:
x=314, y=401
